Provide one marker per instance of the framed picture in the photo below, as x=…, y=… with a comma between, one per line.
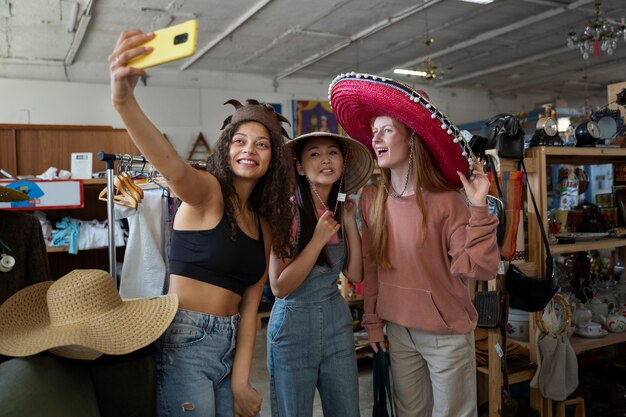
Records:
x=314, y=116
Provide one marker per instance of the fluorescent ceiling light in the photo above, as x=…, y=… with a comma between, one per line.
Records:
x=478, y=1
x=410, y=72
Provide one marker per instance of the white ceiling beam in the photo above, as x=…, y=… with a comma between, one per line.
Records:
x=361, y=35
x=226, y=33
x=485, y=36
x=79, y=35
x=508, y=65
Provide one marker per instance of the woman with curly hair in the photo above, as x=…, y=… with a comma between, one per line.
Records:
x=219, y=249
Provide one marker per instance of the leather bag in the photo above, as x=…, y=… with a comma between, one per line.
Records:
x=506, y=136
x=491, y=308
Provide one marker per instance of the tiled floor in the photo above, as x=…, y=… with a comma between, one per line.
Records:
x=260, y=380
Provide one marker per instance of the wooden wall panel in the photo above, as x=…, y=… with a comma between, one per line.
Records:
x=8, y=161
x=38, y=149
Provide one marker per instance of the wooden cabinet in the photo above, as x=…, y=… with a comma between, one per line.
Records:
x=32, y=149
x=537, y=160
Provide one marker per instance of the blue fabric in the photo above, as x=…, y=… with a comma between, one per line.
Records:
x=310, y=345
x=66, y=234
x=194, y=360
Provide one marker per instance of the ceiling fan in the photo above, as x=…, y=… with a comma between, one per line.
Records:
x=428, y=69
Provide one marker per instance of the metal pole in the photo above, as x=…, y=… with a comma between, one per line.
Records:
x=110, y=160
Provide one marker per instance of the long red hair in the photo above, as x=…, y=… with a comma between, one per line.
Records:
x=424, y=175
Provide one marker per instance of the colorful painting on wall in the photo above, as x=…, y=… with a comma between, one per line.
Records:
x=314, y=116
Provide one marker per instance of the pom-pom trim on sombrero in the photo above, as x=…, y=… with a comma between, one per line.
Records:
x=352, y=120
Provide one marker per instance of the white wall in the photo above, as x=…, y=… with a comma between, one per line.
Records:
x=182, y=112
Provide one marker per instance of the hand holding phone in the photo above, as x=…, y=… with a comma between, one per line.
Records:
x=169, y=44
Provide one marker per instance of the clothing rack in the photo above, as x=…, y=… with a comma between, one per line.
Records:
x=128, y=163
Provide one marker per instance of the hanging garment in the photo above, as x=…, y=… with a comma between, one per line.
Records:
x=21, y=232
x=143, y=271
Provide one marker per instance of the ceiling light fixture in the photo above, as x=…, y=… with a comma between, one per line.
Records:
x=599, y=35
x=410, y=72
x=429, y=69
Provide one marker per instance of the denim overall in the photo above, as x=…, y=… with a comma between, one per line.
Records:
x=310, y=345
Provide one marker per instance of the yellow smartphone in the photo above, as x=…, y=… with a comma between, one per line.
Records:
x=169, y=44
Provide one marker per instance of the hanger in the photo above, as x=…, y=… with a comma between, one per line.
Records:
x=130, y=185
x=121, y=195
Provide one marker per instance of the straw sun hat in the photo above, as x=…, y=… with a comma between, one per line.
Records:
x=359, y=162
x=9, y=194
x=356, y=99
x=81, y=312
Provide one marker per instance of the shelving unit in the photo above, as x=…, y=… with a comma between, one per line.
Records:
x=537, y=160
x=32, y=149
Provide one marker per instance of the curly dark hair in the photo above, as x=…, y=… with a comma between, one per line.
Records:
x=270, y=198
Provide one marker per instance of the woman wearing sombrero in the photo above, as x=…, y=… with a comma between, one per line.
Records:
x=423, y=242
x=310, y=342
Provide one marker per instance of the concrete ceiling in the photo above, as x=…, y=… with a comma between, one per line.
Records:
x=508, y=46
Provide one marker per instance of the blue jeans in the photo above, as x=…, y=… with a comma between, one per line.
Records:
x=311, y=345
x=194, y=360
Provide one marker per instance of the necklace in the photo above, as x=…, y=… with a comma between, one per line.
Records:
x=393, y=194
x=340, y=196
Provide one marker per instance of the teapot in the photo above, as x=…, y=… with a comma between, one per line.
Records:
x=615, y=323
x=598, y=308
x=581, y=314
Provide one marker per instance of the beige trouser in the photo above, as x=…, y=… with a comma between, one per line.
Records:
x=432, y=375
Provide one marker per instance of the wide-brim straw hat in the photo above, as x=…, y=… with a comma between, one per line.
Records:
x=359, y=163
x=83, y=308
x=9, y=194
x=357, y=99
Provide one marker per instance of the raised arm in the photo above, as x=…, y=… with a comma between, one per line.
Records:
x=192, y=186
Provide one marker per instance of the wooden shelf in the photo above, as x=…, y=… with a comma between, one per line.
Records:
x=537, y=162
x=514, y=377
x=582, y=344
x=95, y=181
x=577, y=156
x=606, y=243
x=56, y=249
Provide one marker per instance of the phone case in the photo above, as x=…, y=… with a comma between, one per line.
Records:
x=169, y=44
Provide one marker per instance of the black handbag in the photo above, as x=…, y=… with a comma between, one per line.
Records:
x=532, y=294
x=382, y=385
x=506, y=136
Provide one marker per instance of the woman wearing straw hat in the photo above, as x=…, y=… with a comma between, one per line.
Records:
x=309, y=338
x=219, y=249
x=422, y=244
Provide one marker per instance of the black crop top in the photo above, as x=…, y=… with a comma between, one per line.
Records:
x=211, y=256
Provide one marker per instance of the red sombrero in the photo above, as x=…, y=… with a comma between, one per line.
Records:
x=356, y=99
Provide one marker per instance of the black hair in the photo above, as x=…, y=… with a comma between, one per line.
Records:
x=305, y=204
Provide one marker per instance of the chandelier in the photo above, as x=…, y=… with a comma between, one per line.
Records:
x=599, y=35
